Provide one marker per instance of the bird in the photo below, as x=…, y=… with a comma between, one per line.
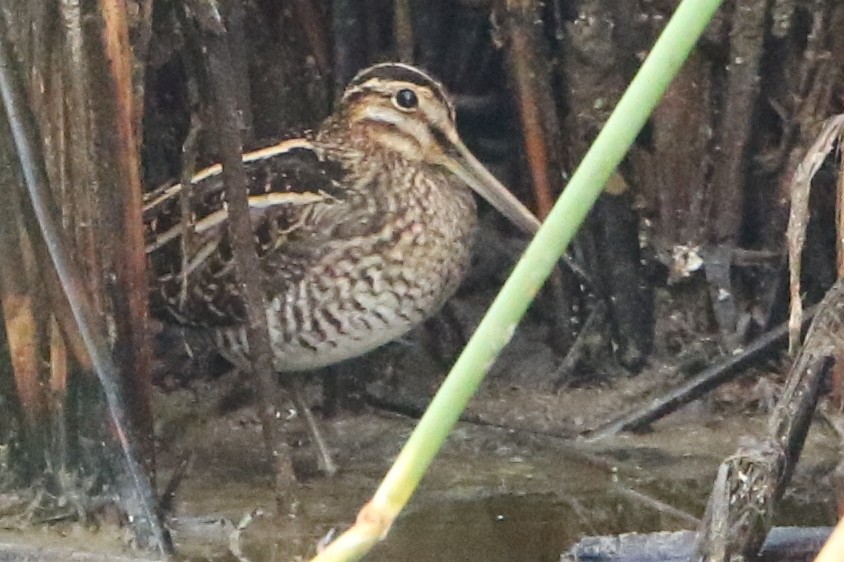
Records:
x=363, y=227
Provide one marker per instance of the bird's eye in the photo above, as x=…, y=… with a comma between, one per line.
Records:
x=406, y=99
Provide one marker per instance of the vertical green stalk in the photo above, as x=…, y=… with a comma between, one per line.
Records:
x=541, y=256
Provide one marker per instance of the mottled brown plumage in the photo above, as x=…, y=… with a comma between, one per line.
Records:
x=363, y=228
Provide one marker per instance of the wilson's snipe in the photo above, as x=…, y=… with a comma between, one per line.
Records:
x=363, y=228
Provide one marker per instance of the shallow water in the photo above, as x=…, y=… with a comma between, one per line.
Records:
x=510, y=492
x=493, y=495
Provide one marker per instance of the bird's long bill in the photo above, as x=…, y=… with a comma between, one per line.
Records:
x=465, y=166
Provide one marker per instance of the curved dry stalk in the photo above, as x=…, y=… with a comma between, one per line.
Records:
x=830, y=136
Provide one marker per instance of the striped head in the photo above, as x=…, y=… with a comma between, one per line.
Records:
x=401, y=109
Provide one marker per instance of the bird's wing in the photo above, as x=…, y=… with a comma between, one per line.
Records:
x=191, y=264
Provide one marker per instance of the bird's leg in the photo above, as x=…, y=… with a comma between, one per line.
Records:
x=326, y=463
x=294, y=383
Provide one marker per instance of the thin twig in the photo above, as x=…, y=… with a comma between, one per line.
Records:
x=247, y=265
x=595, y=320
x=719, y=373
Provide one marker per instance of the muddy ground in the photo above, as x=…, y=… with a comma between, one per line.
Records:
x=511, y=492
x=513, y=482
x=506, y=486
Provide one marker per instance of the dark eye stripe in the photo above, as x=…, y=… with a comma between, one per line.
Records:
x=442, y=141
